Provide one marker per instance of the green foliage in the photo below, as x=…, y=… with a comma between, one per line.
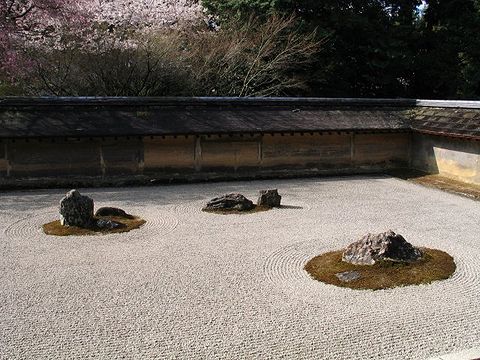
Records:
x=448, y=60
x=368, y=51
x=383, y=48
x=369, y=48
x=241, y=6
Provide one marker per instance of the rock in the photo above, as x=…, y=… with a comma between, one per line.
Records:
x=112, y=211
x=76, y=210
x=376, y=247
x=108, y=224
x=230, y=202
x=269, y=198
x=348, y=276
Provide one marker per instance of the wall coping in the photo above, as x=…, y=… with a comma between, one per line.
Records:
x=45, y=116
x=201, y=101
x=206, y=101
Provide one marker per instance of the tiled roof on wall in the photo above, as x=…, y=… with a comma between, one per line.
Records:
x=140, y=119
x=447, y=121
x=103, y=117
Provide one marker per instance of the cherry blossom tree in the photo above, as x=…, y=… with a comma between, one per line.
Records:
x=147, y=13
x=24, y=23
x=146, y=48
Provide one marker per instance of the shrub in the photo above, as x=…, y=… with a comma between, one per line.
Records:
x=250, y=58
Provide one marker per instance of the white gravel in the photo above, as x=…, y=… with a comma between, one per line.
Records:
x=195, y=285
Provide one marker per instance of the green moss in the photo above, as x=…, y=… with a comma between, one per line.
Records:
x=57, y=229
x=434, y=265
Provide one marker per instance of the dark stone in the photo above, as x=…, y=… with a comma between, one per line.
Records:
x=230, y=202
x=348, y=276
x=377, y=247
x=108, y=224
x=269, y=198
x=76, y=210
x=112, y=211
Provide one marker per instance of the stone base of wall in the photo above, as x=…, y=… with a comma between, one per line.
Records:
x=162, y=179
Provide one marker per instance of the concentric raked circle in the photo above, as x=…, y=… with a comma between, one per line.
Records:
x=30, y=226
x=159, y=221
x=284, y=269
x=285, y=265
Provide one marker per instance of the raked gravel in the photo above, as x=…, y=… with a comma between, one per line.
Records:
x=194, y=285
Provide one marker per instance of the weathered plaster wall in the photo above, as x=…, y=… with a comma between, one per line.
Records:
x=124, y=156
x=101, y=140
x=228, y=153
x=68, y=157
x=4, y=167
x=455, y=158
x=202, y=157
x=162, y=154
x=389, y=150
x=321, y=151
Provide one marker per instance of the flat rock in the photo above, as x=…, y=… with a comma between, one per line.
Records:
x=76, y=210
x=269, y=198
x=348, y=276
x=230, y=202
x=112, y=211
x=108, y=224
x=377, y=247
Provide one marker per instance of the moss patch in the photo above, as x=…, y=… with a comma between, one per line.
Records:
x=435, y=265
x=55, y=228
x=256, y=209
x=439, y=182
x=449, y=185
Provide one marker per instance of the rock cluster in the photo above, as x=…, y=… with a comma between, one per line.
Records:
x=76, y=210
x=229, y=202
x=269, y=198
x=377, y=247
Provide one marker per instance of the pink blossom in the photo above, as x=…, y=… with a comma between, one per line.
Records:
x=30, y=24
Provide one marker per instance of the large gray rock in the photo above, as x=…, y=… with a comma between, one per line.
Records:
x=376, y=247
x=76, y=210
x=269, y=198
x=230, y=202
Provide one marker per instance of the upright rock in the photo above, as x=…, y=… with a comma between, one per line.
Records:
x=229, y=202
x=376, y=247
x=76, y=210
x=269, y=198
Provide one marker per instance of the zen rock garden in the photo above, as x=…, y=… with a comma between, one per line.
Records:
x=375, y=261
x=237, y=203
x=380, y=261
x=77, y=217
x=337, y=277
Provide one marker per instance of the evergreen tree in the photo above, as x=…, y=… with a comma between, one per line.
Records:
x=371, y=45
